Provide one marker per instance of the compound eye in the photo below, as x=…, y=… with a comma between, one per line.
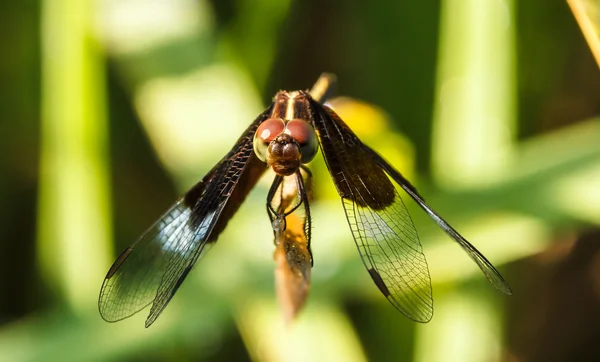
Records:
x=266, y=132
x=303, y=133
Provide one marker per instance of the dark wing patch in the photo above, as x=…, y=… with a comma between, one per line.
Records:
x=151, y=270
x=381, y=226
x=342, y=149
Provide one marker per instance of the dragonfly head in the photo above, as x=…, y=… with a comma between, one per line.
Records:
x=285, y=145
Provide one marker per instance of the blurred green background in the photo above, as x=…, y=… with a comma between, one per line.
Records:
x=111, y=109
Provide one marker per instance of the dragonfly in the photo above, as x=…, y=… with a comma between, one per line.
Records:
x=285, y=138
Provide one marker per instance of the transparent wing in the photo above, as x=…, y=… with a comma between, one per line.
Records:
x=391, y=251
x=490, y=272
x=134, y=280
x=152, y=269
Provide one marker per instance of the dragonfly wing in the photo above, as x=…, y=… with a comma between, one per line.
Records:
x=490, y=272
x=381, y=226
x=377, y=216
x=151, y=270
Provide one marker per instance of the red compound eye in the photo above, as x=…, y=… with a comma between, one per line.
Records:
x=267, y=132
x=303, y=133
x=269, y=129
